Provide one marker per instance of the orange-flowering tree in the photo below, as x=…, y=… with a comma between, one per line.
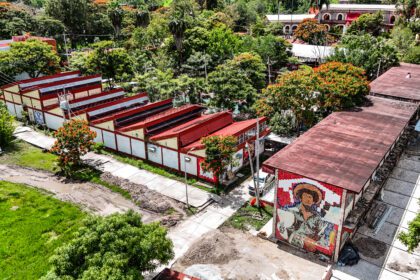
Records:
x=307, y=95
x=342, y=86
x=74, y=139
x=219, y=153
x=312, y=32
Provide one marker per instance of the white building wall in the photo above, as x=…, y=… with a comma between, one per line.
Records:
x=155, y=155
x=53, y=122
x=191, y=166
x=238, y=157
x=98, y=138
x=11, y=108
x=109, y=140
x=138, y=149
x=170, y=158
x=123, y=143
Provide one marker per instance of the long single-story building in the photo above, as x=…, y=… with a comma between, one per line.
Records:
x=322, y=175
x=340, y=15
x=157, y=132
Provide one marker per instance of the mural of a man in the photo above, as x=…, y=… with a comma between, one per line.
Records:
x=305, y=227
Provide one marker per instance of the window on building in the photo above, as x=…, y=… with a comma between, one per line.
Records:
x=392, y=19
x=286, y=29
x=326, y=17
x=340, y=17
x=294, y=28
x=241, y=138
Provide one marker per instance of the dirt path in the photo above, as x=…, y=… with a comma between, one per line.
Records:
x=92, y=197
x=232, y=254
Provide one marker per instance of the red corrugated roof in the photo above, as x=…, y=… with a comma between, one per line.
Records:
x=233, y=129
x=345, y=148
x=162, y=117
x=395, y=84
x=42, y=78
x=196, y=128
x=168, y=274
x=132, y=111
x=62, y=82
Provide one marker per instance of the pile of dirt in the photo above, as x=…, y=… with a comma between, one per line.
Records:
x=144, y=197
x=215, y=248
x=370, y=247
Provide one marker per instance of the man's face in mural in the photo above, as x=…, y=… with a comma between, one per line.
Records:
x=307, y=199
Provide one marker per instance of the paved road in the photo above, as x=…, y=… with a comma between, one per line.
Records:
x=165, y=186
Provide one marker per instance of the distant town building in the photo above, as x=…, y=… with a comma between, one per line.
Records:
x=340, y=15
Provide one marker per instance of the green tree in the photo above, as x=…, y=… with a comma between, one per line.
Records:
x=14, y=22
x=181, y=18
x=48, y=27
x=112, y=63
x=31, y=56
x=252, y=66
x=374, y=54
x=412, y=55
x=300, y=98
x=73, y=140
x=116, y=15
x=119, y=246
x=6, y=126
x=274, y=51
x=74, y=14
x=411, y=239
x=367, y=23
x=318, y=4
x=219, y=154
x=342, y=86
x=236, y=82
x=312, y=32
x=158, y=84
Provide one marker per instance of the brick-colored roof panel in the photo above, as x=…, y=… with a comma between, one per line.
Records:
x=395, y=83
x=345, y=148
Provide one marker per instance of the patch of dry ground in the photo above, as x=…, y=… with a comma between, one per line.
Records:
x=233, y=254
x=96, y=198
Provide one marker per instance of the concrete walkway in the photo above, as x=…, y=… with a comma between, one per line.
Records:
x=388, y=258
x=188, y=231
x=211, y=218
x=165, y=186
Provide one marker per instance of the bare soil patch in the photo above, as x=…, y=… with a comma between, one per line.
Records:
x=215, y=248
x=370, y=247
x=236, y=254
x=171, y=210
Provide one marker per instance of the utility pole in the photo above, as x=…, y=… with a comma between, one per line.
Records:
x=67, y=51
x=379, y=68
x=253, y=175
x=257, y=155
x=269, y=70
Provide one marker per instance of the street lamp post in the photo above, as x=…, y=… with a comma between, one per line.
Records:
x=187, y=159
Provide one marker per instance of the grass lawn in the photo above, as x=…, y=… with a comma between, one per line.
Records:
x=24, y=154
x=32, y=225
x=249, y=217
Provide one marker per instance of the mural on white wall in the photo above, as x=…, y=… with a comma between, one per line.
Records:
x=308, y=213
